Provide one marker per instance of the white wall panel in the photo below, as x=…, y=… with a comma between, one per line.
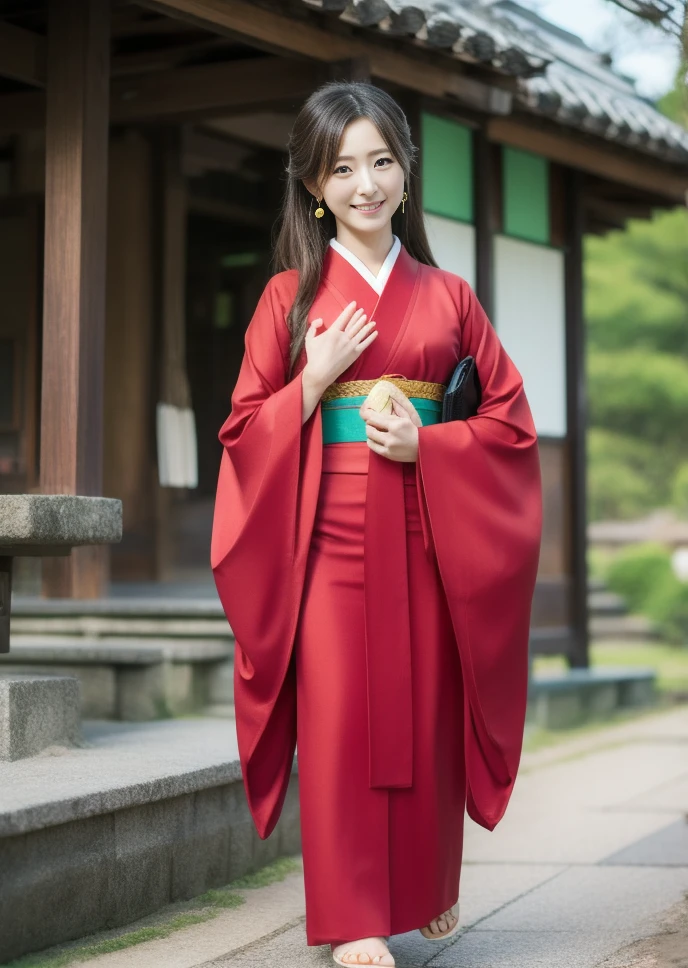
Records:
x=530, y=322
x=453, y=245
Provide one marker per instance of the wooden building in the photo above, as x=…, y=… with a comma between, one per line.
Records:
x=141, y=167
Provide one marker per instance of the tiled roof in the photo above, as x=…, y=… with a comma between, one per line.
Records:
x=558, y=76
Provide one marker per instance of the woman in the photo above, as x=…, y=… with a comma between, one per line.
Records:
x=377, y=573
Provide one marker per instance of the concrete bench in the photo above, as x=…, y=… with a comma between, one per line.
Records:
x=564, y=699
x=131, y=678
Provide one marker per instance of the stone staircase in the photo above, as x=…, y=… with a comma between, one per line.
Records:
x=136, y=659
x=609, y=618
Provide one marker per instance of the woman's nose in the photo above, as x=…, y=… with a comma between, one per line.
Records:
x=366, y=184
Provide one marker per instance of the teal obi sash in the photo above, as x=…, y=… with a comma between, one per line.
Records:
x=342, y=423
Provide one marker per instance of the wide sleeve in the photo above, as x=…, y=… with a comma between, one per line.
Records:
x=480, y=488
x=264, y=508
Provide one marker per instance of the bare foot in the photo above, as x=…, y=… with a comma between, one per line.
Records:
x=442, y=924
x=366, y=951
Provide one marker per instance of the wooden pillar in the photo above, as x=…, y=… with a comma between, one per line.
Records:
x=129, y=439
x=74, y=275
x=173, y=382
x=576, y=419
x=483, y=182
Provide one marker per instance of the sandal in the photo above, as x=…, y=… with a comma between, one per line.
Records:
x=430, y=936
x=376, y=959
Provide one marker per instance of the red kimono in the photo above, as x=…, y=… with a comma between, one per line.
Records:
x=381, y=608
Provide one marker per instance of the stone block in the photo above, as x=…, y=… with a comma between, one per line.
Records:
x=43, y=878
x=36, y=712
x=602, y=699
x=180, y=688
x=201, y=858
x=31, y=521
x=637, y=692
x=222, y=683
x=141, y=694
x=559, y=710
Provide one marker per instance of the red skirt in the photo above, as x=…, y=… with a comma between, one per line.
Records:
x=376, y=861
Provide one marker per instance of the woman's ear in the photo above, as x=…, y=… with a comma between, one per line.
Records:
x=311, y=187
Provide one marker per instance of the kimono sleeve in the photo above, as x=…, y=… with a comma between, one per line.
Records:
x=265, y=502
x=480, y=487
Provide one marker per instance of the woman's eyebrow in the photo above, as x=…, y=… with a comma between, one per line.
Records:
x=377, y=151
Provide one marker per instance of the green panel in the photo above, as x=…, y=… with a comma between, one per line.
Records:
x=526, y=195
x=447, y=168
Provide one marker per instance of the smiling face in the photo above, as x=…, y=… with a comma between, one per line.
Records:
x=365, y=185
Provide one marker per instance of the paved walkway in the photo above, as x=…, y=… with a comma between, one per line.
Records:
x=590, y=858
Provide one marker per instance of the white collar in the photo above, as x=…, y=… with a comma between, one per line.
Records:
x=376, y=282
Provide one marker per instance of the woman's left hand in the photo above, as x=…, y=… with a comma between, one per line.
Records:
x=393, y=435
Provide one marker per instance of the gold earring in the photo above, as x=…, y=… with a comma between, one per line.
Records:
x=320, y=211
x=404, y=198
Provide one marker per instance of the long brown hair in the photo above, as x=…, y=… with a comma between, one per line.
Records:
x=313, y=148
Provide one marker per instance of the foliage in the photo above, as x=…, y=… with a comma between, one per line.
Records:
x=643, y=575
x=637, y=364
x=641, y=394
x=680, y=489
x=616, y=488
x=636, y=308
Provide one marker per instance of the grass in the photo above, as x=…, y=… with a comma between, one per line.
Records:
x=202, y=908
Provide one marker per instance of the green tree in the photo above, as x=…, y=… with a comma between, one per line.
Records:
x=636, y=306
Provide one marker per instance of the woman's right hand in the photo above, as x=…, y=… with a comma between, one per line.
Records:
x=333, y=350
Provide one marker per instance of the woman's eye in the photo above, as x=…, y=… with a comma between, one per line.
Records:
x=342, y=167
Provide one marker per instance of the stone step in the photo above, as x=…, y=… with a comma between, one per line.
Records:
x=603, y=602
x=623, y=627
x=172, y=607
x=184, y=617
x=144, y=814
x=121, y=625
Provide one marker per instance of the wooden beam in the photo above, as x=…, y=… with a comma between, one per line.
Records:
x=22, y=55
x=74, y=274
x=613, y=163
x=616, y=212
x=213, y=89
x=278, y=33
x=231, y=87
x=203, y=151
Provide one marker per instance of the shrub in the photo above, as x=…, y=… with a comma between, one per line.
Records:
x=643, y=575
